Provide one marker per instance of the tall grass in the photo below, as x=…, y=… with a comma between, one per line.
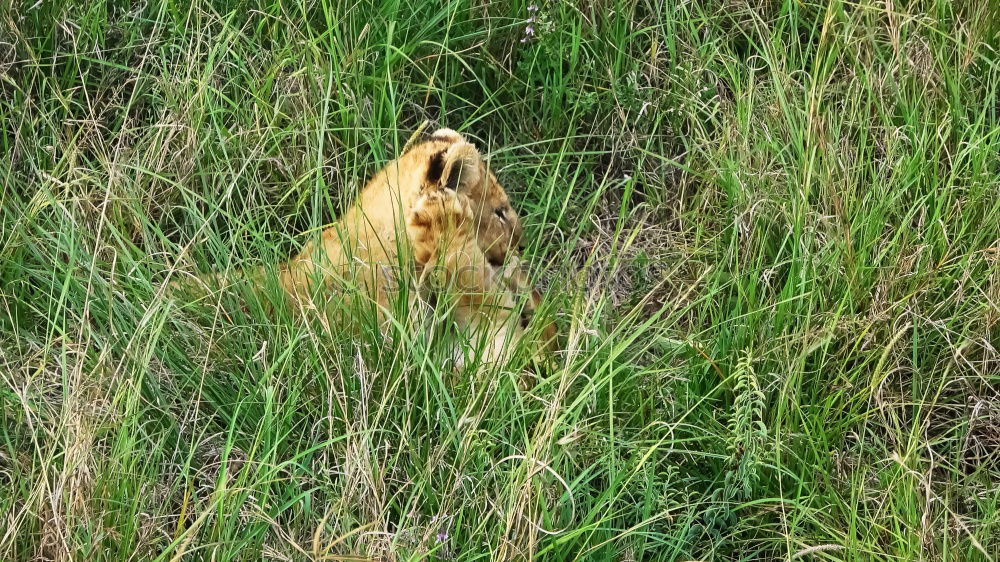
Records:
x=770, y=233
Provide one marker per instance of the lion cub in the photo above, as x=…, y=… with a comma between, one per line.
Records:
x=439, y=208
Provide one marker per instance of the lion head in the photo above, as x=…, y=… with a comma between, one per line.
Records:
x=455, y=163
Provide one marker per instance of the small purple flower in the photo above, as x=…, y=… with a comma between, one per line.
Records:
x=441, y=537
x=529, y=29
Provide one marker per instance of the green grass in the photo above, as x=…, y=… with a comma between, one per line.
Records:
x=770, y=232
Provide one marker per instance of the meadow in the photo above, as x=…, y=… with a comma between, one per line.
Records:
x=768, y=231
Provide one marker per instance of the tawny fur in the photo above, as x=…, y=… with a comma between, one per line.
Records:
x=440, y=206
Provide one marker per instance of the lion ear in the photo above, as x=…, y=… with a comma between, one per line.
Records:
x=461, y=169
x=446, y=135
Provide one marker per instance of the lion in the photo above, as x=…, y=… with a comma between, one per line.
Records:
x=440, y=208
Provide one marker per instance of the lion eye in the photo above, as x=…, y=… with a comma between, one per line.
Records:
x=499, y=212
